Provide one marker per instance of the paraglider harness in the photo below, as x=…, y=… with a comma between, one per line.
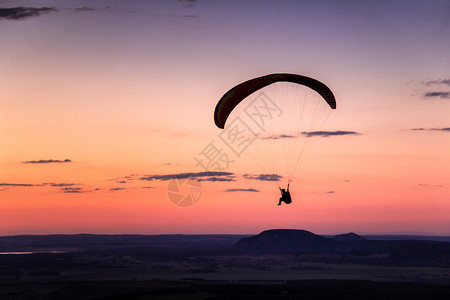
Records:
x=285, y=196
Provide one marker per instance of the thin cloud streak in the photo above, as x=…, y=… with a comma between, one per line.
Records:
x=76, y=190
x=84, y=8
x=188, y=3
x=71, y=190
x=60, y=184
x=46, y=161
x=17, y=184
x=202, y=176
x=438, y=82
x=329, y=133
x=116, y=189
x=217, y=179
x=445, y=129
x=263, y=177
x=277, y=137
x=242, y=190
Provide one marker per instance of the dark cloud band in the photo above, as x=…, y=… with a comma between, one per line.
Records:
x=20, y=12
x=438, y=94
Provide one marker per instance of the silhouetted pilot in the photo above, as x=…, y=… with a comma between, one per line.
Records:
x=285, y=196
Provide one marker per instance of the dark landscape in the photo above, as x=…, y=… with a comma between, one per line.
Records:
x=275, y=264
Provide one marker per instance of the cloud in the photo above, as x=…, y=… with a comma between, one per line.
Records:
x=217, y=179
x=201, y=176
x=17, y=184
x=117, y=189
x=329, y=133
x=179, y=16
x=188, y=3
x=437, y=94
x=310, y=134
x=437, y=82
x=445, y=129
x=441, y=129
x=280, y=136
x=61, y=187
x=263, y=177
x=76, y=190
x=41, y=184
x=425, y=185
x=434, y=89
x=84, y=8
x=20, y=12
x=331, y=192
x=46, y=161
x=124, y=179
x=71, y=190
x=242, y=190
x=60, y=184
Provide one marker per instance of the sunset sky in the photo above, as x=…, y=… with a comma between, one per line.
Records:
x=102, y=102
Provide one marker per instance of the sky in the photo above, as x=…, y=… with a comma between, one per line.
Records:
x=103, y=103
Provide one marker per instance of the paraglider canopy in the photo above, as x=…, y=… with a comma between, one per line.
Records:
x=276, y=114
x=238, y=93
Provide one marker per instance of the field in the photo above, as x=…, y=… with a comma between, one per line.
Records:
x=203, y=277
x=193, y=267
